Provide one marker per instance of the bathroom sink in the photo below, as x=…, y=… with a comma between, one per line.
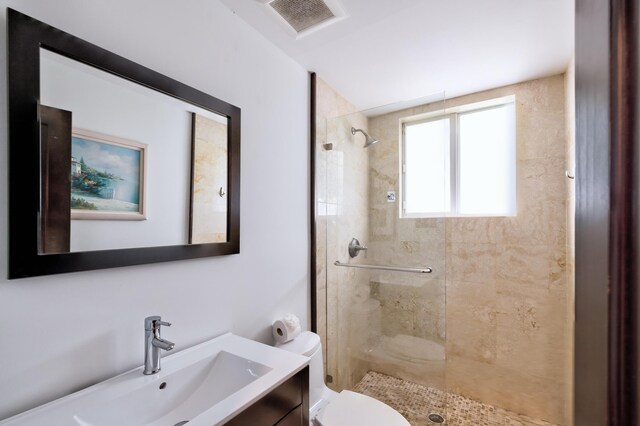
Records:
x=181, y=395
x=207, y=384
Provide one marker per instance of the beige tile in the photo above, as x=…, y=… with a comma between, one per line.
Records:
x=426, y=231
x=540, y=180
x=471, y=262
x=508, y=389
x=483, y=230
x=383, y=226
x=555, y=213
x=471, y=321
x=571, y=222
x=329, y=102
x=541, y=205
x=411, y=310
x=429, y=318
x=381, y=181
x=558, y=271
x=541, y=135
x=531, y=338
x=523, y=265
x=529, y=227
x=543, y=95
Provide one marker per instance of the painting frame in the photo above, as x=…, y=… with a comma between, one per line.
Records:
x=114, y=143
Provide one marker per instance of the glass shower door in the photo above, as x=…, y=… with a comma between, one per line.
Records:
x=384, y=329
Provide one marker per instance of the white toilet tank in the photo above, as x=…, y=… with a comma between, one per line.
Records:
x=308, y=344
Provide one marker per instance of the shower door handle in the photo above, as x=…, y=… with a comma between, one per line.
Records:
x=355, y=248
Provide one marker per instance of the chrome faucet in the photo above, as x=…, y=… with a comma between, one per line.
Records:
x=153, y=343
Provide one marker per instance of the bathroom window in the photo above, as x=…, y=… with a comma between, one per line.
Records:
x=462, y=163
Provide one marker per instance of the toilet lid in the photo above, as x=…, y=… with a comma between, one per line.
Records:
x=351, y=408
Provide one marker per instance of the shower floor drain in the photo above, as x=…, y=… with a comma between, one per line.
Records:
x=436, y=418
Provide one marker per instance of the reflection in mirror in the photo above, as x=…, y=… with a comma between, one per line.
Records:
x=117, y=164
x=107, y=177
x=209, y=181
x=55, y=197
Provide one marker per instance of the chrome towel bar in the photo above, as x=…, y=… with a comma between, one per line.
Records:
x=385, y=268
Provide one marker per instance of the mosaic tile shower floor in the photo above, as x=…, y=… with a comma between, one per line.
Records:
x=415, y=402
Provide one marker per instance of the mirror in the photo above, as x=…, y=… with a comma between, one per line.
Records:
x=140, y=163
x=125, y=166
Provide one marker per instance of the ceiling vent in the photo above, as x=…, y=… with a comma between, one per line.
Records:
x=302, y=17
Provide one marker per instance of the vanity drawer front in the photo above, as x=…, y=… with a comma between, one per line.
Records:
x=273, y=406
x=294, y=418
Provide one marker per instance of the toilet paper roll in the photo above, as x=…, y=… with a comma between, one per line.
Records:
x=286, y=329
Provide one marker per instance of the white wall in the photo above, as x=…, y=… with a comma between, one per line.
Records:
x=61, y=333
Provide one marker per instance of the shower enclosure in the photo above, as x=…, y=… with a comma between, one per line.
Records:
x=473, y=307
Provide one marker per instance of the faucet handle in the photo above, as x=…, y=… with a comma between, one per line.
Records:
x=154, y=322
x=355, y=247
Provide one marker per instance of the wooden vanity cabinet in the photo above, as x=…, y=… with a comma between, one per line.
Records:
x=294, y=418
x=286, y=405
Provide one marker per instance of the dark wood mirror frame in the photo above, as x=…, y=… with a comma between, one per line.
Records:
x=25, y=38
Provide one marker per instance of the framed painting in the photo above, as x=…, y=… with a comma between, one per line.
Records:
x=107, y=177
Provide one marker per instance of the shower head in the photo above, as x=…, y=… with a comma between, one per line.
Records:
x=368, y=141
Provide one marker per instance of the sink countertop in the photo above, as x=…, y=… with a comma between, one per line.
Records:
x=69, y=410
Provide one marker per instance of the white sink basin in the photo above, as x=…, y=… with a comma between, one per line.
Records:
x=182, y=395
x=207, y=384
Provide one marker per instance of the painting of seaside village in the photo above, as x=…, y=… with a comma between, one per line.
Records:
x=106, y=178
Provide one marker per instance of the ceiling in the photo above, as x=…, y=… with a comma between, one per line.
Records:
x=388, y=51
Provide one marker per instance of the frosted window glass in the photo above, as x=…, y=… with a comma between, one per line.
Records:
x=487, y=162
x=426, y=158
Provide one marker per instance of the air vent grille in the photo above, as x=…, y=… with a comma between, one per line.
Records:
x=302, y=14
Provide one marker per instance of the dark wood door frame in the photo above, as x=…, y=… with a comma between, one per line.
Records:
x=607, y=200
x=623, y=265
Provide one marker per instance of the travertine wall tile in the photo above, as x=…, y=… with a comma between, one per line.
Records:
x=471, y=321
x=382, y=224
x=528, y=338
x=523, y=265
x=427, y=231
x=543, y=141
x=472, y=262
x=525, y=393
x=473, y=230
x=411, y=310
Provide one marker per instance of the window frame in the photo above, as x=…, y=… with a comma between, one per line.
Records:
x=453, y=162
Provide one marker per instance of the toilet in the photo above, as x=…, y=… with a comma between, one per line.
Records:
x=329, y=408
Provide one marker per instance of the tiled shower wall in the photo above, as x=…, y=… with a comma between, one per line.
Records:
x=507, y=321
